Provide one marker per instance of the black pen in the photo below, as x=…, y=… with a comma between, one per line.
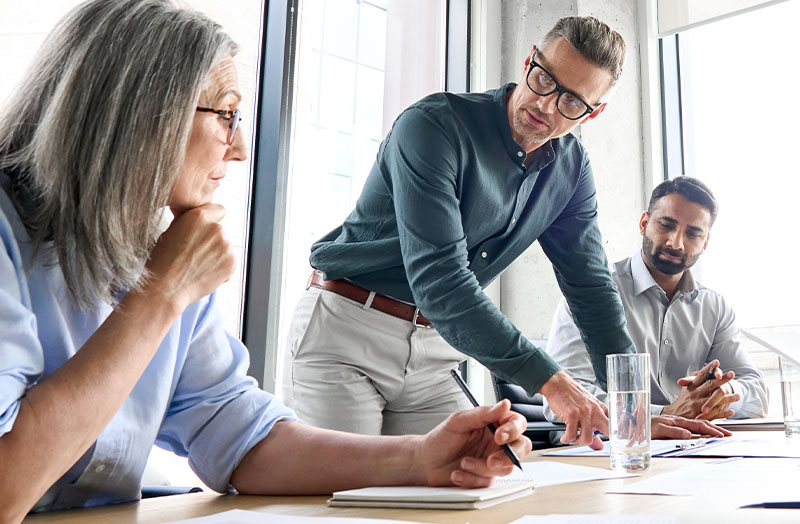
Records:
x=506, y=447
x=775, y=505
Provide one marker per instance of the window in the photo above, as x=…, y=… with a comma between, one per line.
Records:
x=23, y=27
x=359, y=63
x=737, y=87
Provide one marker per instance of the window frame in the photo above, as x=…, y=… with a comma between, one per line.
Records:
x=268, y=200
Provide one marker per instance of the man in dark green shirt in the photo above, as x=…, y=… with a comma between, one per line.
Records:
x=462, y=185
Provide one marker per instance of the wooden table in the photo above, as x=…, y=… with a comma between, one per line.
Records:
x=584, y=497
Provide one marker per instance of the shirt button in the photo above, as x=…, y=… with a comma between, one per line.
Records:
x=513, y=220
x=100, y=468
x=666, y=342
x=484, y=254
x=520, y=154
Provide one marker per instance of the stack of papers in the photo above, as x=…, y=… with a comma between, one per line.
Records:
x=736, y=446
x=432, y=498
x=658, y=448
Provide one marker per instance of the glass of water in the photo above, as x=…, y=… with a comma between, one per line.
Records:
x=790, y=396
x=629, y=410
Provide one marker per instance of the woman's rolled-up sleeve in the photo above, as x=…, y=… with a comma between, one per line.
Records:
x=21, y=356
x=217, y=413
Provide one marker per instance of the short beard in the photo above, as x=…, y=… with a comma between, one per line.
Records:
x=524, y=133
x=665, y=266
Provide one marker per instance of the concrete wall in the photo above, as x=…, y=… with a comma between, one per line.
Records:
x=528, y=289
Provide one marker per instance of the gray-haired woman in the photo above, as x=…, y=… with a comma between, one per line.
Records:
x=111, y=339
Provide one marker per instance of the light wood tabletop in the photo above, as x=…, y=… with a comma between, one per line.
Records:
x=577, y=498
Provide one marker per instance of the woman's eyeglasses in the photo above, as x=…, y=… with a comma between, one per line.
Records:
x=233, y=118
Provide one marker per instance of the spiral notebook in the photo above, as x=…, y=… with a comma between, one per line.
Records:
x=431, y=498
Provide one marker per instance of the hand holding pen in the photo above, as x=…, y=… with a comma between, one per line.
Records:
x=711, y=390
x=709, y=377
x=506, y=448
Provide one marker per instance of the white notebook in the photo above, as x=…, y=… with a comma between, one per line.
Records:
x=431, y=498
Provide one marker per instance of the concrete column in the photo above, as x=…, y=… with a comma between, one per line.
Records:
x=529, y=293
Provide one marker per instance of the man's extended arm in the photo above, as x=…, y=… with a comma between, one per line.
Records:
x=565, y=345
x=574, y=245
x=423, y=166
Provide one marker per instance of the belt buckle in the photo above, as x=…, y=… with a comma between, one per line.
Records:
x=416, y=316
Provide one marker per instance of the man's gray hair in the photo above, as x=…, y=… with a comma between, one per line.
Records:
x=96, y=133
x=598, y=43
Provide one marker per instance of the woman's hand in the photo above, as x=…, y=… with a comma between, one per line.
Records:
x=192, y=258
x=462, y=451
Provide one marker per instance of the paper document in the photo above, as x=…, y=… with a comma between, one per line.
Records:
x=658, y=448
x=596, y=519
x=750, y=424
x=736, y=446
x=548, y=473
x=744, y=481
x=240, y=516
x=741, y=446
x=434, y=498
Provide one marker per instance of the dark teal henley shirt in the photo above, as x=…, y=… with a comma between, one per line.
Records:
x=449, y=204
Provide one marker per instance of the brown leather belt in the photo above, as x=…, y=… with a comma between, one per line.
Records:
x=382, y=303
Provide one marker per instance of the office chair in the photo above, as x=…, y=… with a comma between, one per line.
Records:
x=529, y=406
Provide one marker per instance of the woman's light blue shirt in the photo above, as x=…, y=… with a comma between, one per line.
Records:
x=194, y=397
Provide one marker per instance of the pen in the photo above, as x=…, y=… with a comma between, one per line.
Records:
x=711, y=372
x=465, y=389
x=775, y=505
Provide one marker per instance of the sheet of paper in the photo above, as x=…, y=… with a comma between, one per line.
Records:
x=596, y=519
x=748, y=446
x=547, y=473
x=657, y=447
x=240, y=516
x=750, y=424
x=739, y=445
x=746, y=481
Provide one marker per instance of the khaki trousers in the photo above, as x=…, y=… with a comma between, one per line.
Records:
x=355, y=369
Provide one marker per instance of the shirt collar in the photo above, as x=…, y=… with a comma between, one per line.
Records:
x=545, y=153
x=643, y=280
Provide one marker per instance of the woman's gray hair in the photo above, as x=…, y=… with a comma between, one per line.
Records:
x=593, y=39
x=96, y=133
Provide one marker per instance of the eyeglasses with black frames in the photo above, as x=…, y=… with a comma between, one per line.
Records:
x=541, y=82
x=233, y=118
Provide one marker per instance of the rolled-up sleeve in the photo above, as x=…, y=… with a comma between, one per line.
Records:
x=574, y=246
x=21, y=356
x=422, y=167
x=217, y=413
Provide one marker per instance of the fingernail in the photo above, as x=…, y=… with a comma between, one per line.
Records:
x=457, y=477
x=504, y=436
x=467, y=465
x=495, y=462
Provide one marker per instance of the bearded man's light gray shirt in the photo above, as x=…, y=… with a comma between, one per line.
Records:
x=681, y=336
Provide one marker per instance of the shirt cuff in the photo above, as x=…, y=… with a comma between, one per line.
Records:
x=738, y=387
x=656, y=410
